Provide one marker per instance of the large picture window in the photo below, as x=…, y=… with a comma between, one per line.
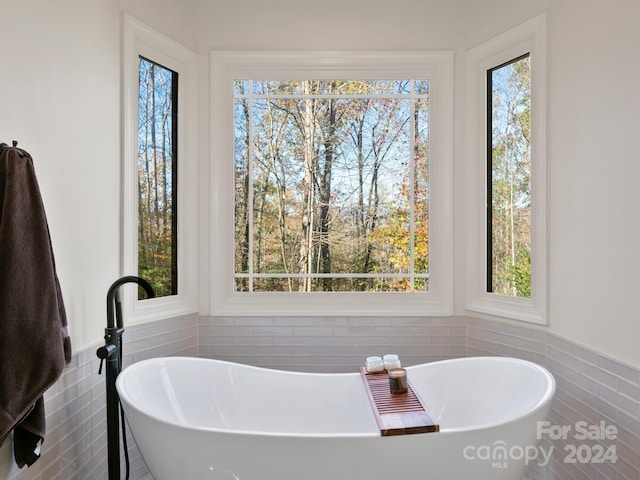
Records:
x=332, y=185
x=332, y=181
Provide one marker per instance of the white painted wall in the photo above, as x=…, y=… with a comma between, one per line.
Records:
x=594, y=120
x=60, y=97
x=594, y=70
x=174, y=18
x=594, y=52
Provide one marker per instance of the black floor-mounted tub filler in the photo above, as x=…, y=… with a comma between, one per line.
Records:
x=111, y=351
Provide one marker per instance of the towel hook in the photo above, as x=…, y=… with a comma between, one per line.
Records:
x=4, y=146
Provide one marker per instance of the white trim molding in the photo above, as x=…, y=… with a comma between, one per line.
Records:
x=227, y=66
x=527, y=38
x=141, y=40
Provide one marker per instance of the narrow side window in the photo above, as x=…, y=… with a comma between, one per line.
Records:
x=507, y=269
x=157, y=177
x=509, y=178
x=160, y=173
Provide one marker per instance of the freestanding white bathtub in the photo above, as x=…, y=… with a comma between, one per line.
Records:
x=206, y=419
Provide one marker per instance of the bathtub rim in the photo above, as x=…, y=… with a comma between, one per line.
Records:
x=544, y=401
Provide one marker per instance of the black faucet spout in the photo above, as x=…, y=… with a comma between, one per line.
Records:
x=113, y=298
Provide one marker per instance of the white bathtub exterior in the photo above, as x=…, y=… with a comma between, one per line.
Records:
x=206, y=419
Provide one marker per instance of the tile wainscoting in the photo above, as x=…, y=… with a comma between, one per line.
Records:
x=75, y=447
x=329, y=344
x=593, y=390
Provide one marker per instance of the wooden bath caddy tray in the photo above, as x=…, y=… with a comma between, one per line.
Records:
x=396, y=414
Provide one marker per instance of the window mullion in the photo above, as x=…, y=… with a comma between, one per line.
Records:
x=412, y=162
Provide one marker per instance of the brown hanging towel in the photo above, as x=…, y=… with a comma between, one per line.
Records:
x=34, y=340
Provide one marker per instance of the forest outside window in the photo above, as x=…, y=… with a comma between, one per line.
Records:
x=157, y=175
x=332, y=185
x=509, y=178
x=507, y=215
x=331, y=175
x=160, y=165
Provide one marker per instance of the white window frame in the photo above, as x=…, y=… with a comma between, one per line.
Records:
x=141, y=40
x=437, y=67
x=529, y=37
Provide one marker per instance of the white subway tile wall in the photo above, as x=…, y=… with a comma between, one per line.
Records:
x=593, y=391
x=329, y=344
x=75, y=447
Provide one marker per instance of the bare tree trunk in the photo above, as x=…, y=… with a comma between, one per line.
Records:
x=372, y=211
x=306, y=240
x=360, y=148
x=151, y=120
x=154, y=177
x=360, y=214
x=325, y=198
x=244, y=238
x=278, y=168
x=164, y=215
